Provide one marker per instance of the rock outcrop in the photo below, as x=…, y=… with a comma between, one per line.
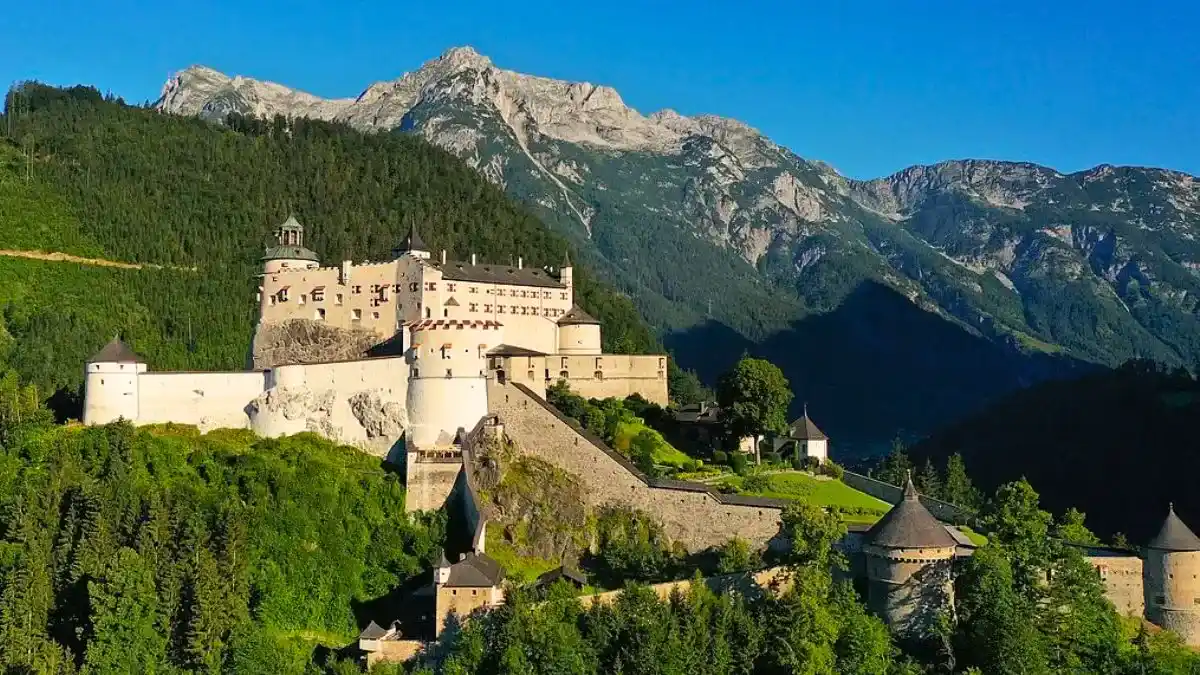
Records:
x=300, y=341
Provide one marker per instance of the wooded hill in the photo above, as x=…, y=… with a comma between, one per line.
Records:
x=1118, y=445
x=91, y=176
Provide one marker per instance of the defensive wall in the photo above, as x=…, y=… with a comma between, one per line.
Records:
x=360, y=402
x=695, y=515
x=1121, y=572
x=943, y=511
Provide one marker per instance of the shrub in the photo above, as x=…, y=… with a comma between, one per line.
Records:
x=720, y=457
x=737, y=461
x=800, y=463
x=811, y=464
x=756, y=483
x=771, y=457
x=832, y=469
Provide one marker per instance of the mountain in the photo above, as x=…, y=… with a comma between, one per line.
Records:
x=1118, y=445
x=1053, y=271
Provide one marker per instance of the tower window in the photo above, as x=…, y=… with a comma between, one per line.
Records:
x=428, y=314
x=356, y=289
x=374, y=315
x=445, y=312
x=337, y=299
x=356, y=314
x=449, y=373
x=320, y=314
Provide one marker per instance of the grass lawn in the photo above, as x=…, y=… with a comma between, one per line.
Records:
x=805, y=487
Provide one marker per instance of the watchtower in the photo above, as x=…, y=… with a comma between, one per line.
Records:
x=909, y=555
x=1171, y=581
x=111, y=384
x=289, y=253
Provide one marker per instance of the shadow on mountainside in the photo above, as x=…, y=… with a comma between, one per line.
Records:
x=877, y=367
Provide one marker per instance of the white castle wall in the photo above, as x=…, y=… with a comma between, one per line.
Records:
x=447, y=388
x=112, y=392
x=208, y=400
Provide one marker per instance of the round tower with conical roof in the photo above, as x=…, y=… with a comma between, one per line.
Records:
x=909, y=555
x=110, y=384
x=1171, y=579
x=578, y=333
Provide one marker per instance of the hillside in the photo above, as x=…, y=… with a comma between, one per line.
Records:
x=131, y=185
x=1117, y=445
x=1015, y=261
x=161, y=550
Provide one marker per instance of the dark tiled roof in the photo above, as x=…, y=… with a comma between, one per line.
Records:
x=412, y=242
x=512, y=350
x=441, y=561
x=803, y=429
x=499, y=274
x=577, y=316
x=570, y=574
x=1174, y=535
x=116, y=352
x=910, y=525
x=476, y=570
x=698, y=413
x=373, y=631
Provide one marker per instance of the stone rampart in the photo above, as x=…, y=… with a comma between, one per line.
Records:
x=1121, y=572
x=692, y=514
x=943, y=511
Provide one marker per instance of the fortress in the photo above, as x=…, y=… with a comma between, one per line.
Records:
x=464, y=352
x=443, y=328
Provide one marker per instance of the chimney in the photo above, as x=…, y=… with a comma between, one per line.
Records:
x=520, y=263
x=472, y=258
x=443, y=256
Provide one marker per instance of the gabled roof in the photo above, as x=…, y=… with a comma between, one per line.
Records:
x=441, y=561
x=452, y=302
x=476, y=570
x=498, y=274
x=116, y=352
x=909, y=525
x=512, y=350
x=576, y=316
x=698, y=413
x=803, y=429
x=1174, y=535
x=564, y=572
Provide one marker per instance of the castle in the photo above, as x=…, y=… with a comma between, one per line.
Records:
x=452, y=325
x=474, y=346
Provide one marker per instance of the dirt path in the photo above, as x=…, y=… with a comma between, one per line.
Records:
x=100, y=262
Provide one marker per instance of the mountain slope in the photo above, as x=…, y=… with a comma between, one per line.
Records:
x=129, y=184
x=713, y=228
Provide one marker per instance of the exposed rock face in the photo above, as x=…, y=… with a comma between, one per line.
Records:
x=299, y=341
x=379, y=418
x=1102, y=264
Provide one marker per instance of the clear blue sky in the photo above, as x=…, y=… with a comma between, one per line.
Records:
x=870, y=87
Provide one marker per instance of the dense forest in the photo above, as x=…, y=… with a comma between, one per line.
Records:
x=94, y=177
x=1118, y=444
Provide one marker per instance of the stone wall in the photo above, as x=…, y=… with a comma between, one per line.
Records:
x=1121, y=573
x=298, y=341
x=429, y=480
x=208, y=400
x=943, y=511
x=691, y=514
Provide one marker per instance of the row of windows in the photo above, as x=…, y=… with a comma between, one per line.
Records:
x=355, y=314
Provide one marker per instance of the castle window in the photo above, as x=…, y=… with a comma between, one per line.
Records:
x=545, y=295
x=474, y=307
x=356, y=289
x=356, y=314
x=283, y=294
x=449, y=373
x=487, y=308
x=428, y=313
x=320, y=314
x=431, y=285
x=564, y=296
x=564, y=362
x=446, y=351
x=416, y=372
x=514, y=309
x=271, y=301
x=473, y=289
x=445, y=312
x=414, y=286
x=451, y=287
x=599, y=375
x=1160, y=600
x=499, y=309
x=395, y=288
x=662, y=363
x=318, y=294
x=599, y=362
x=499, y=291
x=337, y=299
x=531, y=375
x=374, y=315
x=564, y=374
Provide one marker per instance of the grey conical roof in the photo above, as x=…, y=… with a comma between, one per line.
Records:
x=909, y=525
x=1174, y=535
x=441, y=561
x=116, y=352
x=566, y=258
x=577, y=316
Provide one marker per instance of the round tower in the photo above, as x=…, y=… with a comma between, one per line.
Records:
x=578, y=333
x=1170, y=579
x=447, y=386
x=110, y=384
x=289, y=253
x=908, y=557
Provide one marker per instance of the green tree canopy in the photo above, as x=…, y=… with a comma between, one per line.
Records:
x=754, y=398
